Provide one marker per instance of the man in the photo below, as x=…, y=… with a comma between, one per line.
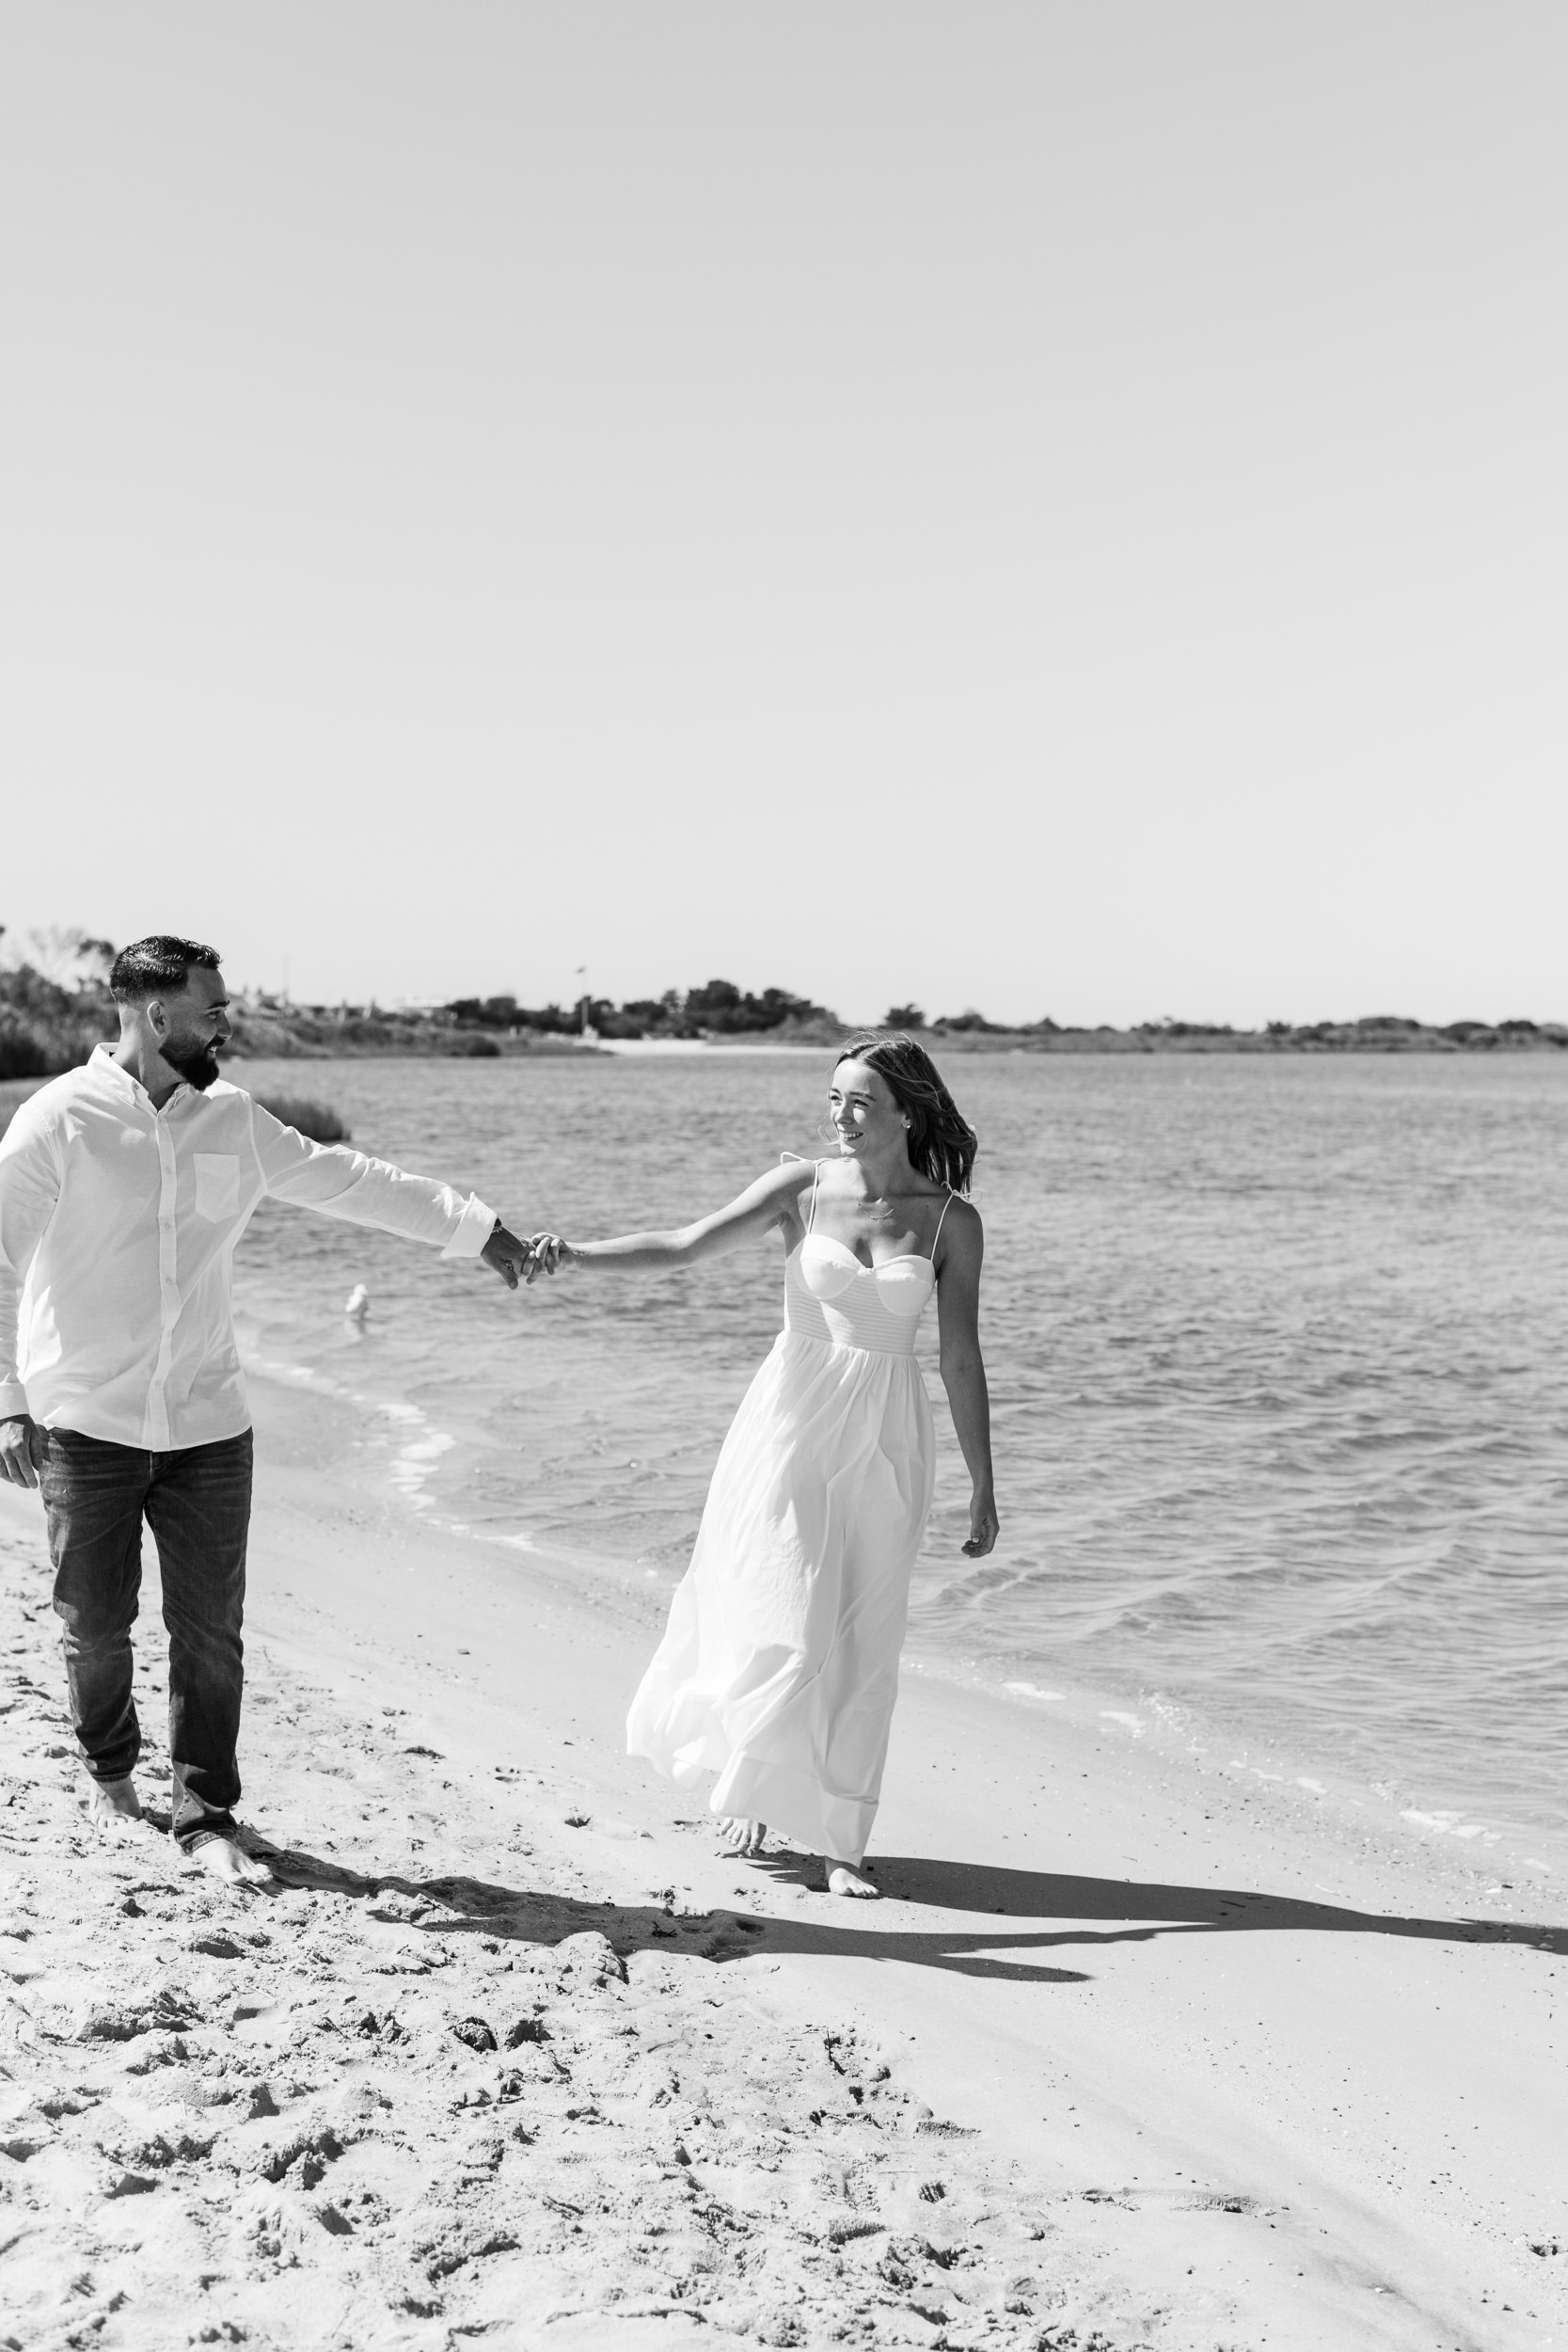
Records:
x=124, y=1187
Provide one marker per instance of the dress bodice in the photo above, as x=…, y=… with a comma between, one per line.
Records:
x=828, y=1295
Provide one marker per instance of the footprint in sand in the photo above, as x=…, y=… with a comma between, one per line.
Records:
x=420, y=2086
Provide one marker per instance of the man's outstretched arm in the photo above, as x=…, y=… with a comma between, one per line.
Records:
x=336, y=1180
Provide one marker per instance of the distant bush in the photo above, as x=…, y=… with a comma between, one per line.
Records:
x=21, y=1056
x=971, y=1021
x=478, y=1047
x=505, y=1012
x=719, y=1008
x=1187, y=1028
x=725, y=1008
x=318, y=1120
x=48, y=1025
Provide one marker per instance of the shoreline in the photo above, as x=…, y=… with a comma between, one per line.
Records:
x=1191, y=1734
x=1337, y=2124
x=273, y=1043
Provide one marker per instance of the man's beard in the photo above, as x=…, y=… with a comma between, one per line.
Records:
x=198, y=1066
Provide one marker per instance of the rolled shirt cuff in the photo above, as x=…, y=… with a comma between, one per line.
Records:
x=472, y=1231
x=13, y=1399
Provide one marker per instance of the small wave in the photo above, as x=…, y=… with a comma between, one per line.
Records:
x=412, y=1468
x=1450, y=1825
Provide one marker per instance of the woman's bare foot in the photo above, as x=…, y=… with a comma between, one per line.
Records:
x=222, y=1859
x=114, y=1801
x=747, y=1838
x=845, y=1880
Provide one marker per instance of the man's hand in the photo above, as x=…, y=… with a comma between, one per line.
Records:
x=21, y=1449
x=511, y=1257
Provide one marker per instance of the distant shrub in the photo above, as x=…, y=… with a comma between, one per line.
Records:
x=23, y=1056
x=971, y=1021
x=726, y=1010
x=475, y=1048
x=505, y=1012
x=318, y=1120
x=1188, y=1028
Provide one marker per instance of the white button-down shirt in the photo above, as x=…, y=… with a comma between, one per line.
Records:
x=118, y=1226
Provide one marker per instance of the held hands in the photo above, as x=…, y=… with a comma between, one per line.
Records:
x=512, y=1259
x=517, y=1260
x=20, y=1451
x=984, y=1526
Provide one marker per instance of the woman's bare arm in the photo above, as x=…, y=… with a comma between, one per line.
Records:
x=771, y=1200
x=963, y=1369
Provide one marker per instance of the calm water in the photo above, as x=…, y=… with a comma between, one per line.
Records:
x=1277, y=1351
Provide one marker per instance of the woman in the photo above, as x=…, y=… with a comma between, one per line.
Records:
x=780, y=1665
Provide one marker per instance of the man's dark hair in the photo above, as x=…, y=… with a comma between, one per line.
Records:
x=149, y=966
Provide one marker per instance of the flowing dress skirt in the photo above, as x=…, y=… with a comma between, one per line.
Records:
x=779, y=1667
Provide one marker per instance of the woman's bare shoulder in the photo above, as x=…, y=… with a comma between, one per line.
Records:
x=792, y=1171
x=961, y=1223
x=785, y=1181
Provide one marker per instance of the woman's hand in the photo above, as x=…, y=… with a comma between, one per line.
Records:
x=546, y=1254
x=984, y=1525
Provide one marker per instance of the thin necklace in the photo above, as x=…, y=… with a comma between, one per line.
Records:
x=879, y=1207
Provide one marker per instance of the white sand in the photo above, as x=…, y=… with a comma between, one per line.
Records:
x=1061, y=2090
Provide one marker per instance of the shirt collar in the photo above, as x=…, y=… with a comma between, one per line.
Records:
x=119, y=1082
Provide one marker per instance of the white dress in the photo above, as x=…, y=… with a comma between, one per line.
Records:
x=779, y=1667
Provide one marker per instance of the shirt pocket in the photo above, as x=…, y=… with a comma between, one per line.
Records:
x=217, y=1184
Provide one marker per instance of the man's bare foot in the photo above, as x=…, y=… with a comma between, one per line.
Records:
x=749, y=1839
x=114, y=1801
x=224, y=1860
x=844, y=1880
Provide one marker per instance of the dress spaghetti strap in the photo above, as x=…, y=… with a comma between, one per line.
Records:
x=799, y=1157
x=941, y=1222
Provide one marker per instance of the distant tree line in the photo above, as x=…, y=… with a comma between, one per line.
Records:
x=717, y=1010
x=54, y=1007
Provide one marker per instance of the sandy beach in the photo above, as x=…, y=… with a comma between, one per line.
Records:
x=1137, y=2051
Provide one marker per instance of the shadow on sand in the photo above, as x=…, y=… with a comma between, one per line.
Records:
x=1135, y=1912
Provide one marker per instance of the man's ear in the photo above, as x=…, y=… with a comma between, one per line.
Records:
x=157, y=1016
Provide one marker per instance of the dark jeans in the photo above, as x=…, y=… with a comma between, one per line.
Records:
x=197, y=1502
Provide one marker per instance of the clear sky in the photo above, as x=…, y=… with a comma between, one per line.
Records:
x=1062, y=509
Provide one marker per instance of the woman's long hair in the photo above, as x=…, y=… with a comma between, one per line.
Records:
x=942, y=1144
